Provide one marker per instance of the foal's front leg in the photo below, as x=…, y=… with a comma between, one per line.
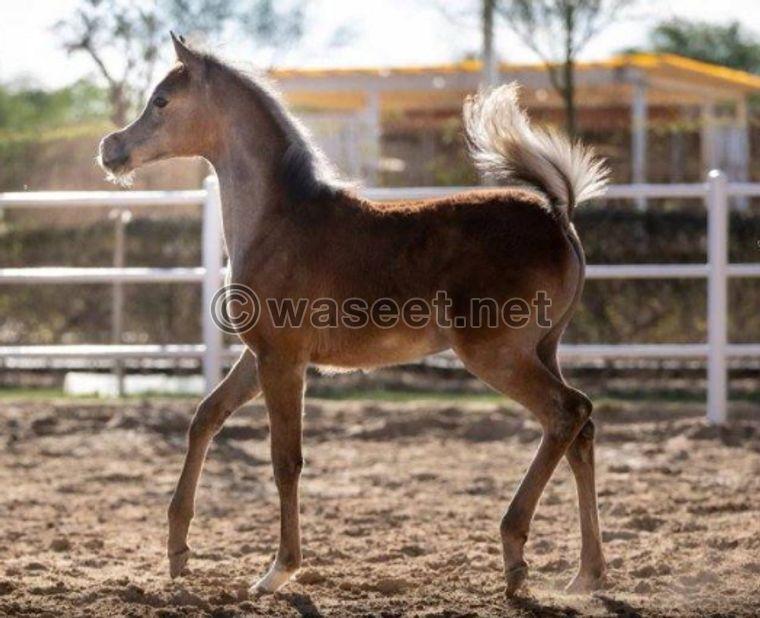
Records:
x=283, y=384
x=239, y=386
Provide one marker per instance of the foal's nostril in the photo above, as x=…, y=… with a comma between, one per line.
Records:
x=115, y=161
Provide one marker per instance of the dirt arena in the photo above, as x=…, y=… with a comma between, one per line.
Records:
x=401, y=505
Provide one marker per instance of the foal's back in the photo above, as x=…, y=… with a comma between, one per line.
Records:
x=492, y=242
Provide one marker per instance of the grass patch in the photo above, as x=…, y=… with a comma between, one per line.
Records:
x=394, y=395
x=411, y=395
x=21, y=392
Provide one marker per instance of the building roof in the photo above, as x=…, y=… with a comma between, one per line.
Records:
x=690, y=67
x=670, y=81
x=650, y=63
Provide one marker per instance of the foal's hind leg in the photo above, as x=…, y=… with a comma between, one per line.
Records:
x=580, y=456
x=561, y=410
x=239, y=386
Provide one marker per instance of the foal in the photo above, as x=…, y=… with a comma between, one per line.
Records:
x=292, y=232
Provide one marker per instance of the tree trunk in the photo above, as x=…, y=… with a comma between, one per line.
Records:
x=119, y=106
x=568, y=96
x=490, y=64
x=568, y=72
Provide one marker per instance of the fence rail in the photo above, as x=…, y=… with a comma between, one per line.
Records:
x=715, y=192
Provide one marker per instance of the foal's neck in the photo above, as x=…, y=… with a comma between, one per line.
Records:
x=246, y=164
x=246, y=189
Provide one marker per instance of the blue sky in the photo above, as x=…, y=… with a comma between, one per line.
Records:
x=387, y=33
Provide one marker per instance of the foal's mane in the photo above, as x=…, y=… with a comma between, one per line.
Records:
x=305, y=172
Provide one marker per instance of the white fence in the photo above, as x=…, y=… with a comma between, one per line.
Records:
x=715, y=192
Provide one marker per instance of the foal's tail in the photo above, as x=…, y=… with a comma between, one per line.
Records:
x=505, y=146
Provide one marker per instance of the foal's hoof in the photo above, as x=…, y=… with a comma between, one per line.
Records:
x=584, y=583
x=275, y=578
x=177, y=561
x=515, y=577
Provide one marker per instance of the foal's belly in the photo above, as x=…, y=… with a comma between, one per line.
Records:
x=365, y=350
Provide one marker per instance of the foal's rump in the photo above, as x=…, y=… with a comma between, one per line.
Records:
x=494, y=243
x=516, y=270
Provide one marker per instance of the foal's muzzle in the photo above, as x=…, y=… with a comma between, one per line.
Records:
x=113, y=155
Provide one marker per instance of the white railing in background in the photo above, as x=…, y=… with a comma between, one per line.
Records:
x=716, y=192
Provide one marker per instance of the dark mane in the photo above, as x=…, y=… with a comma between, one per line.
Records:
x=305, y=172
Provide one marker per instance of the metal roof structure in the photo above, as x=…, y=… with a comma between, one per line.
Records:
x=671, y=79
x=637, y=82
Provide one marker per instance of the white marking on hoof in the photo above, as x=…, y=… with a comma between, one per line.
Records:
x=585, y=583
x=275, y=578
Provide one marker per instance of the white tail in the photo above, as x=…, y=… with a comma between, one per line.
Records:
x=505, y=146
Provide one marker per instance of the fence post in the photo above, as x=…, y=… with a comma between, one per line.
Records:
x=121, y=218
x=212, y=281
x=717, y=294
x=639, y=137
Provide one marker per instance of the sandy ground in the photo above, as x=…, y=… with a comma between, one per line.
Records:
x=400, y=502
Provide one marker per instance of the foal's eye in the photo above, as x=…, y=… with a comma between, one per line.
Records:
x=160, y=102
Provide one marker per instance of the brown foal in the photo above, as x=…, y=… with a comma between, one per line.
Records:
x=293, y=232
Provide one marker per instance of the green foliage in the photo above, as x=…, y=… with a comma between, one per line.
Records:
x=266, y=21
x=32, y=120
x=23, y=109
x=730, y=45
x=272, y=25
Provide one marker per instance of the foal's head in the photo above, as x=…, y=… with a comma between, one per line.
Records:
x=189, y=112
x=176, y=121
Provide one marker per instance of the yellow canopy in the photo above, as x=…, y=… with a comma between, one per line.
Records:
x=670, y=80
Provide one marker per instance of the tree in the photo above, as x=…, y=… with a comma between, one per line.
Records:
x=557, y=31
x=123, y=38
x=729, y=44
x=122, y=42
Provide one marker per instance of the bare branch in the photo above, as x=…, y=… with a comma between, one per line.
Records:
x=556, y=31
x=123, y=37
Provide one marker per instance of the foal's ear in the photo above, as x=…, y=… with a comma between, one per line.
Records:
x=189, y=57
